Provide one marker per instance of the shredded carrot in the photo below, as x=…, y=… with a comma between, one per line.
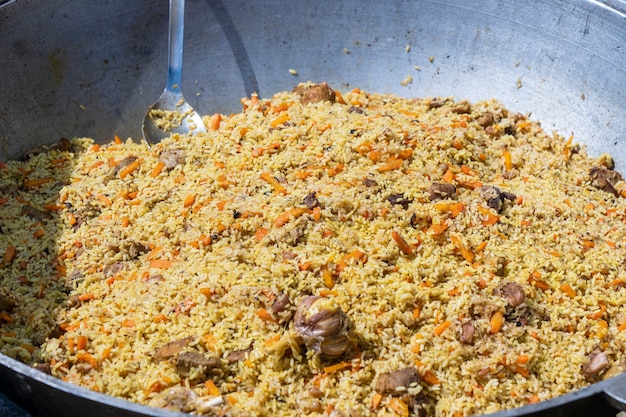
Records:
x=337, y=367
x=189, y=200
x=522, y=370
x=221, y=204
x=508, y=161
x=231, y=399
x=106, y=201
x=390, y=165
x=6, y=317
x=522, y=359
x=327, y=277
x=87, y=297
x=128, y=323
x=81, y=342
x=88, y=358
x=567, y=289
x=214, y=122
x=441, y=327
x=53, y=207
x=456, y=209
x=9, y=255
x=279, y=120
x=402, y=244
x=117, y=140
x=159, y=318
x=328, y=293
x=496, y=322
x=376, y=400
x=4, y=200
x=534, y=399
x=448, y=176
x=345, y=259
x=157, y=169
x=265, y=315
x=290, y=214
x=621, y=327
x=161, y=263
x=106, y=352
x=438, y=229
x=36, y=182
x=212, y=388
x=130, y=168
x=466, y=253
x=430, y=378
x=278, y=188
x=399, y=407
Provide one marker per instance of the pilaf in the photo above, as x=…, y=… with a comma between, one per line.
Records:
x=320, y=253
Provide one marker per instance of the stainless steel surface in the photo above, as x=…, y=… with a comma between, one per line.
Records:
x=172, y=99
x=81, y=68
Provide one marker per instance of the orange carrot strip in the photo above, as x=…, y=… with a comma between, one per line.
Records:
x=161, y=263
x=88, y=358
x=87, y=297
x=496, y=322
x=214, y=123
x=430, y=378
x=404, y=247
x=130, y=168
x=337, y=367
x=157, y=169
x=260, y=233
x=81, y=342
x=189, y=200
x=36, y=182
x=567, y=289
x=390, y=165
x=6, y=317
x=278, y=188
x=212, y=388
x=376, y=400
x=399, y=407
x=281, y=119
x=117, y=140
x=9, y=255
x=448, y=176
x=265, y=315
x=53, y=207
x=442, y=327
x=345, y=259
x=292, y=213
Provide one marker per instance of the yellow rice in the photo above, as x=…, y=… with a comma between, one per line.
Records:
x=209, y=257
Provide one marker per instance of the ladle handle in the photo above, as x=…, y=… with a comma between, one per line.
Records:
x=175, y=48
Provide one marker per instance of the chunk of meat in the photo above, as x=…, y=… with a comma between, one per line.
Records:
x=310, y=201
x=11, y=190
x=598, y=362
x=35, y=214
x=462, y=107
x=485, y=119
x=238, y=355
x=43, y=367
x=399, y=199
x=417, y=404
x=466, y=333
x=398, y=381
x=281, y=303
x=171, y=349
x=112, y=269
x=513, y=293
x=7, y=303
x=368, y=182
x=495, y=197
x=441, y=191
x=314, y=93
x=187, y=360
x=172, y=158
x=62, y=145
x=605, y=179
x=124, y=163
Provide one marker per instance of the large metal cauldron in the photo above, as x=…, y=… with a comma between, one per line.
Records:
x=90, y=68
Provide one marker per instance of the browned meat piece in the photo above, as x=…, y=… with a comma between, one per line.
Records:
x=462, y=108
x=310, y=201
x=605, y=179
x=172, y=158
x=315, y=391
x=495, y=197
x=281, y=303
x=398, y=381
x=238, y=355
x=433, y=104
x=399, y=199
x=441, y=191
x=513, y=293
x=112, y=269
x=417, y=404
x=187, y=360
x=368, y=182
x=354, y=109
x=598, y=362
x=83, y=368
x=466, y=333
x=124, y=163
x=9, y=190
x=43, y=367
x=176, y=398
x=322, y=325
x=35, y=214
x=171, y=349
x=485, y=119
x=314, y=93
x=62, y=145
x=7, y=304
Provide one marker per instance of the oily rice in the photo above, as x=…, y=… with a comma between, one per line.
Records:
x=469, y=261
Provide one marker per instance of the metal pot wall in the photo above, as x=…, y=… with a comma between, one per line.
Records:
x=83, y=68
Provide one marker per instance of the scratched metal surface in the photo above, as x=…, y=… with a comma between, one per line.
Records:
x=84, y=68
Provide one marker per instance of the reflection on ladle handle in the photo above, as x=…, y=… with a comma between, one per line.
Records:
x=175, y=48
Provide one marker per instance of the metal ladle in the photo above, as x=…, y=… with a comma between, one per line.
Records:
x=171, y=113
